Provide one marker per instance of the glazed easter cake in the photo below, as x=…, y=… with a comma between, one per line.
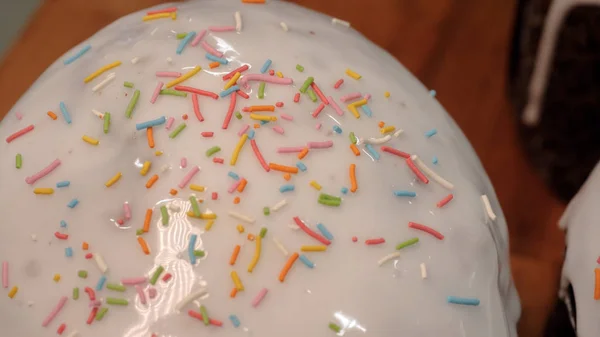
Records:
x=225, y=169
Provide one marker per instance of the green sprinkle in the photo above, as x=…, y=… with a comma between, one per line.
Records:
x=180, y=36
x=266, y=210
x=128, y=84
x=177, y=130
x=325, y=196
x=82, y=274
x=199, y=253
x=116, y=287
x=106, y=121
x=312, y=95
x=164, y=215
x=156, y=275
x=139, y=231
x=76, y=293
x=335, y=327
x=306, y=84
x=195, y=206
x=116, y=301
x=263, y=232
x=212, y=151
x=299, y=68
x=101, y=313
x=352, y=138
x=173, y=92
x=204, y=315
x=18, y=161
x=238, y=115
x=328, y=202
x=407, y=243
x=261, y=90
x=132, y=103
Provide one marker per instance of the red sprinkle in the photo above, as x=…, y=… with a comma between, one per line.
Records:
x=243, y=94
x=165, y=10
x=354, y=239
x=271, y=72
x=319, y=93
x=196, y=91
x=229, y=112
x=444, y=201
x=196, y=108
x=92, y=315
x=218, y=160
x=259, y=156
x=167, y=277
x=279, y=104
x=395, y=152
x=185, y=116
x=61, y=236
x=375, y=241
x=61, y=329
x=19, y=133
x=90, y=293
x=207, y=134
x=198, y=316
x=416, y=171
x=215, y=195
x=310, y=232
x=89, y=256
x=120, y=222
x=240, y=70
x=318, y=110
x=338, y=83
x=426, y=229
x=297, y=97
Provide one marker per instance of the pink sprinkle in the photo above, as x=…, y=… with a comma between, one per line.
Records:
x=183, y=162
x=278, y=129
x=94, y=303
x=215, y=195
x=127, y=210
x=5, y=274
x=279, y=104
x=141, y=294
x=169, y=123
x=349, y=97
x=318, y=110
x=234, y=186
x=198, y=38
x=89, y=256
x=243, y=130
x=152, y=293
x=320, y=145
x=168, y=74
x=209, y=49
x=243, y=94
x=133, y=281
x=295, y=149
x=336, y=107
x=265, y=78
x=221, y=28
x=256, y=301
x=207, y=134
x=55, y=311
x=19, y=133
x=286, y=117
x=318, y=126
x=218, y=160
x=156, y=92
x=165, y=10
x=167, y=277
x=188, y=177
x=297, y=97
x=338, y=83
x=19, y=116
x=368, y=97
x=271, y=72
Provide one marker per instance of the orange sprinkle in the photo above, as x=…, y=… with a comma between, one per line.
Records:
x=213, y=65
x=597, y=286
x=173, y=192
x=242, y=185
x=256, y=126
x=85, y=245
x=355, y=150
x=151, y=181
x=251, y=237
x=287, y=267
x=144, y=245
x=287, y=176
x=150, y=136
x=353, y=184
x=283, y=168
x=233, y=292
x=185, y=117
x=147, y=220
x=261, y=108
x=303, y=153
x=236, y=200
x=381, y=124
x=234, y=255
x=52, y=115
x=253, y=1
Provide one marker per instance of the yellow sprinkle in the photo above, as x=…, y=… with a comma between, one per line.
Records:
x=56, y=277
x=279, y=74
x=160, y=16
x=353, y=74
x=386, y=94
x=263, y=118
x=43, y=190
x=387, y=129
x=145, y=168
x=197, y=188
x=90, y=140
x=240, y=228
x=236, y=280
x=315, y=185
x=13, y=292
x=209, y=225
x=203, y=216
x=256, y=255
x=233, y=80
x=113, y=180
x=101, y=70
x=238, y=148
x=353, y=110
x=360, y=103
x=313, y=248
x=158, y=153
x=184, y=77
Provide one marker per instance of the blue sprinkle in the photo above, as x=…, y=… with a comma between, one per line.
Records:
x=430, y=133
x=216, y=59
x=264, y=122
x=149, y=124
x=68, y=252
x=434, y=160
x=432, y=93
x=405, y=193
x=324, y=231
x=231, y=89
x=101, y=282
x=63, y=224
x=337, y=129
x=65, y=113
x=191, y=247
x=344, y=190
x=233, y=175
x=306, y=261
x=234, y=320
x=372, y=151
x=367, y=110
x=463, y=301
x=286, y=188
x=73, y=203
x=77, y=55
x=300, y=165
x=251, y=134
x=265, y=66
x=65, y=183
x=184, y=42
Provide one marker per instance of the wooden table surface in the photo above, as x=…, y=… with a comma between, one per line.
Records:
x=457, y=47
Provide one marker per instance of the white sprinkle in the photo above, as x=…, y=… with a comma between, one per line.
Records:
x=135, y=60
x=241, y=217
x=75, y=333
x=238, y=21
x=388, y=258
x=488, y=207
x=423, y=271
x=174, y=208
x=98, y=113
x=431, y=174
x=337, y=21
x=169, y=60
x=284, y=26
x=164, y=168
x=189, y=298
x=378, y=141
x=100, y=262
x=280, y=246
x=279, y=205
x=398, y=133
x=104, y=82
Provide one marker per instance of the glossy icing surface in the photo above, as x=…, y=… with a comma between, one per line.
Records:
x=346, y=285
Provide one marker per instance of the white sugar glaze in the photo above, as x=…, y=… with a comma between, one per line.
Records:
x=346, y=287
